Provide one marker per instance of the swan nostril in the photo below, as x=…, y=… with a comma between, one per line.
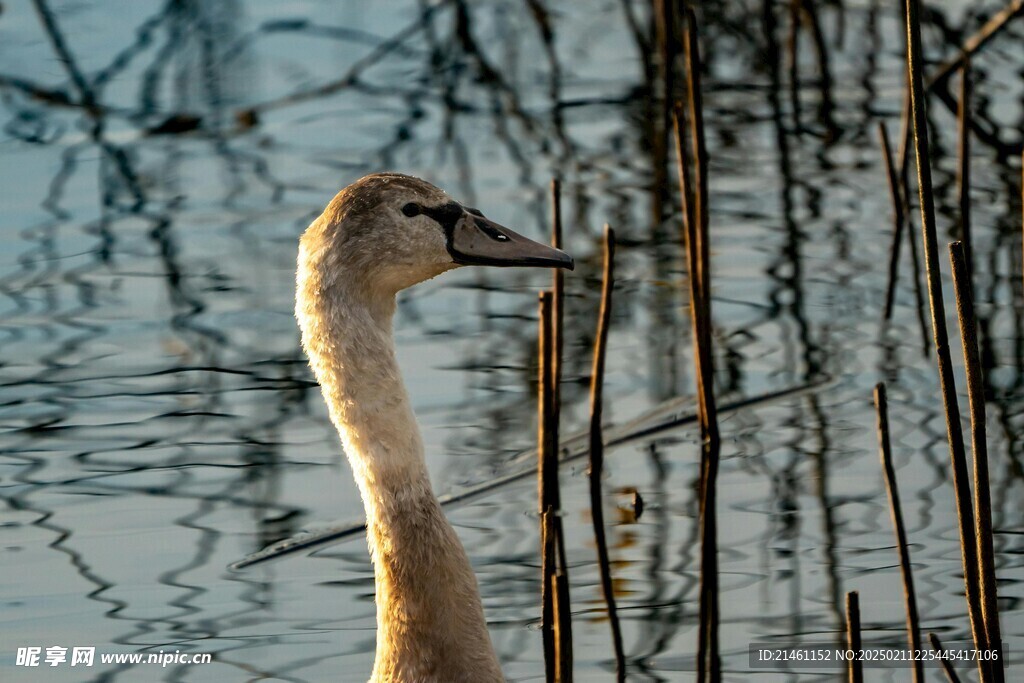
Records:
x=411, y=209
x=488, y=229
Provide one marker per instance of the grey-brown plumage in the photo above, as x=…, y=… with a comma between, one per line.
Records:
x=383, y=233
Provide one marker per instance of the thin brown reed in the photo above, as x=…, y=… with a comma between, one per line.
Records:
x=982, y=498
x=597, y=448
x=547, y=471
x=554, y=429
x=946, y=665
x=557, y=304
x=700, y=168
x=903, y=171
x=854, y=672
x=906, y=138
x=694, y=190
x=954, y=431
x=549, y=592
x=964, y=159
x=909, y=597
x=556, y=612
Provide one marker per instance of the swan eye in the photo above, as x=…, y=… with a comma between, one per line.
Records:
x=411, y=209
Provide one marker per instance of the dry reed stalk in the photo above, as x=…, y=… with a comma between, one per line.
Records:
x=946, y=665
x=556, y=609
x=906, y=139
x=964, y=166
x=855, y=673
x=554, y=429
x=954, y=432
x=909, y=597
x=698, y=258
x=557, y=307
x=547, y=471
x=982, y=498
x=701, y=195
x=902, y=167
x=597, y=448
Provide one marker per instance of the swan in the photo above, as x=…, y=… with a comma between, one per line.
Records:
x=378, y=236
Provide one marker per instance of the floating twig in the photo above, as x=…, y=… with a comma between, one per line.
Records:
x=597, y=448
x=982, y=498
x=855, y=673
x=954, y=432
x=909, y=597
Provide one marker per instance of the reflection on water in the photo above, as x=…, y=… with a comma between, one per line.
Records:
x=159, y=421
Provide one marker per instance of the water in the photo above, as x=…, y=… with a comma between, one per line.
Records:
x=159, y=421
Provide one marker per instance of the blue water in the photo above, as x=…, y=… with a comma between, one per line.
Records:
x=158, y=421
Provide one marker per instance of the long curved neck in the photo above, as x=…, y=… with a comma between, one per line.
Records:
x=430, y=623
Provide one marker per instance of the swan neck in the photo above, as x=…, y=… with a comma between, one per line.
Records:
x=430, y=621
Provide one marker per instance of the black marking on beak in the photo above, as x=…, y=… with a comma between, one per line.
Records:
x=472, y=239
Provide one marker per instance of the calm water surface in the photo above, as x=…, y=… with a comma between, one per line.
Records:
x=158, y=420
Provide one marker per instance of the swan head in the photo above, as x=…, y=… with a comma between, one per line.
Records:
x=389, y=231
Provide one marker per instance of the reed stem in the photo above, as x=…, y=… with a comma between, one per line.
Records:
x=547, y=472
x=855, y=673
x=558, y=309
x=954, y=431
x=554, y=429
x=909, y=597
x=982, y=497
x=903, y=171
x=964, y=166
x=695, y=209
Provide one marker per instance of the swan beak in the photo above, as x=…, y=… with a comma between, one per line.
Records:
x=477, y=241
